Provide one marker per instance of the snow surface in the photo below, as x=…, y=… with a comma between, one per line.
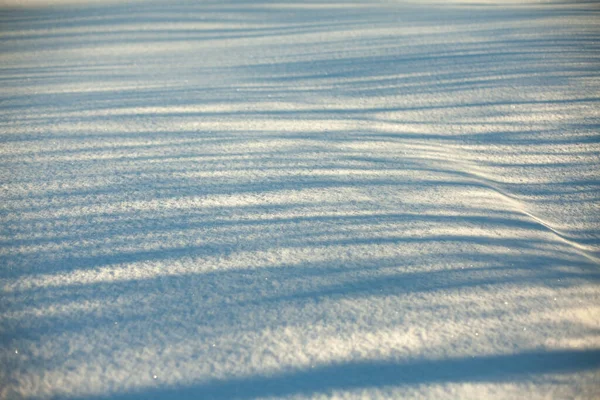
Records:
x=292, y=199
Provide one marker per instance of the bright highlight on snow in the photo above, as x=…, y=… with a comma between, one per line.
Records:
x=287, y=199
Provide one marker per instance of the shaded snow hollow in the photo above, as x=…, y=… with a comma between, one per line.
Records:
x=289, y=199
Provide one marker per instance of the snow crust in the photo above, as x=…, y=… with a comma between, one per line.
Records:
x=290, y=199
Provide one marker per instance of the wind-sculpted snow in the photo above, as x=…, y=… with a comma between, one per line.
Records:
x=290, y=199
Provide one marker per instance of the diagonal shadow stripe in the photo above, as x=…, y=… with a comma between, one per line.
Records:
x=365, y=374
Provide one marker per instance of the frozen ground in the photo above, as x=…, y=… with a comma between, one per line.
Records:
x=288, y=199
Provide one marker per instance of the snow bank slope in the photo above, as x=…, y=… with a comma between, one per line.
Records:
x=253, y=199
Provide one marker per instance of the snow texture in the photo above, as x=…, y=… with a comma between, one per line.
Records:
x=293, y=199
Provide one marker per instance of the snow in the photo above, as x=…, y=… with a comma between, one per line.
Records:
x=290, y=199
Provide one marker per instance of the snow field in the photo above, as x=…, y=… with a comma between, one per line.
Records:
x=263, y=199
